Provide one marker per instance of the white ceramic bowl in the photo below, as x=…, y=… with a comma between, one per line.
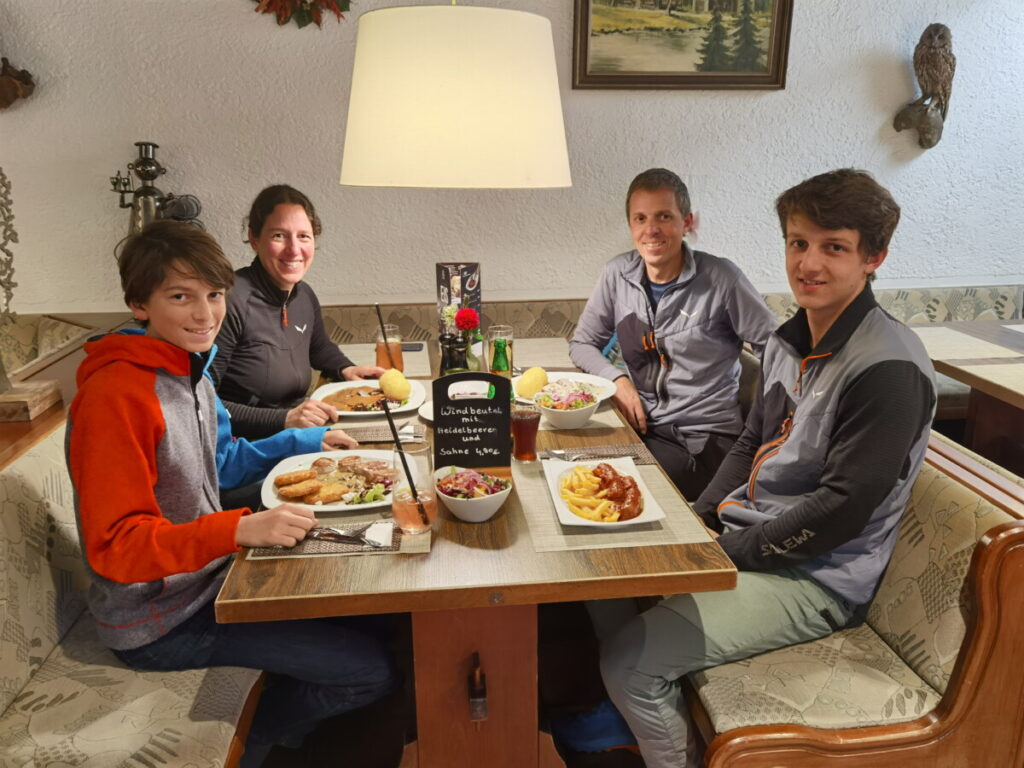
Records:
x=471, y=510
x=573, y=419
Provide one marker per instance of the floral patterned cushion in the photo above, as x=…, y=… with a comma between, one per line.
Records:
x=894, y=667
x=53, y=334
x=84, y=707
x=850, y=678
x=64, y=698
x=931, y=305
x=29, y=337
x=918, y=609
x=42, y=574
x=18, y=342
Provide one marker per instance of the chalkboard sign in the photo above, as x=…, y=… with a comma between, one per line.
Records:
x=471, y=420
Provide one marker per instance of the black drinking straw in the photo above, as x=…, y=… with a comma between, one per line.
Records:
x=384, y=335
x=405, y=463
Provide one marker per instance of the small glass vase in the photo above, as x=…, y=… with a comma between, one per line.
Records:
x=472, y=361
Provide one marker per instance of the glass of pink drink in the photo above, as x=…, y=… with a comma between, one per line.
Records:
x=405, y=510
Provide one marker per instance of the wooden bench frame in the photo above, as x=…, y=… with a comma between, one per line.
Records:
x=978, y=722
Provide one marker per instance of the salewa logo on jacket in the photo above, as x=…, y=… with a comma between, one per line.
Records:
x=301, y=328
x=787, y=544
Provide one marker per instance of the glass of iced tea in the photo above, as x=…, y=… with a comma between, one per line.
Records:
x=525, y=421
x=413, y=514
x=390, y=339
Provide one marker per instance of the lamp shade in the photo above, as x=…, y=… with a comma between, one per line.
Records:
x=454, y=96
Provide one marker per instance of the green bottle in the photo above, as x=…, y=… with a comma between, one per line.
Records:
x=499, y=359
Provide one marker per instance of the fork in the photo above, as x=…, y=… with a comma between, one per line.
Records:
x=327, y=533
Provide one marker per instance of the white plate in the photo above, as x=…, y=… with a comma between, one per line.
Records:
x=416, y=396
x=605, y=386
x=427, y=411
x=268, y=493
x=555, y=470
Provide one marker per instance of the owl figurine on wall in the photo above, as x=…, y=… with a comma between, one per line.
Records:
x=934, y=64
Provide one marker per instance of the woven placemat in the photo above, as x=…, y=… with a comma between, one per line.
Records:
x=381, y=433
x=400, y=544
x=637, y=451
x=680, y=525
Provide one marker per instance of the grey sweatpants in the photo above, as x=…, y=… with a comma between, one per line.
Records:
x=643, y=658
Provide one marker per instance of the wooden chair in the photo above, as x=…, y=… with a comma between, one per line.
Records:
x=932, y=679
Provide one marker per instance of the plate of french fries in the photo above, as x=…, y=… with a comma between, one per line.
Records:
x=579, y=500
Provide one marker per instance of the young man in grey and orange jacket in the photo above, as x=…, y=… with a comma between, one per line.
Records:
x=808, y=501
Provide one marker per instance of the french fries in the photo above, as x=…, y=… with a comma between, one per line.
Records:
x=579, y=490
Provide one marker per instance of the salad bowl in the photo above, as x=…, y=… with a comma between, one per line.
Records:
x=572, y=418
x=466, y=483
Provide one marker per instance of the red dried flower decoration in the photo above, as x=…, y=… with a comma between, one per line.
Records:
x=302, y=11
x=467, y=319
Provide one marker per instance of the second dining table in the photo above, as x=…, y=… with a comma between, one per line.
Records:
x=473, y=589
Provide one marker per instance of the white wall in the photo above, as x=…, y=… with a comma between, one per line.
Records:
x=236, y=102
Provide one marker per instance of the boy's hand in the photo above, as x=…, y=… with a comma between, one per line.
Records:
x=336, y=439
x=311, y=413
x=284, y=525
x=628, y=401
x=357, y=372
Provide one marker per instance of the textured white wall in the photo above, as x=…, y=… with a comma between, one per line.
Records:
x=236, y=103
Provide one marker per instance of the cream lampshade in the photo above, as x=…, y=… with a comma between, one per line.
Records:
x=454, y=96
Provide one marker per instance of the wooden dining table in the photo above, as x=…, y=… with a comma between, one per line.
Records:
x=476, y=592
x=988, y=356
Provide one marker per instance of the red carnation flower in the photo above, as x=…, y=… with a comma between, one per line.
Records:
x=467, y=319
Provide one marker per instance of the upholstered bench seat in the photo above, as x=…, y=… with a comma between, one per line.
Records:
x=83, y=706
x=848, y=679
x=65, y=699
x=933, y=667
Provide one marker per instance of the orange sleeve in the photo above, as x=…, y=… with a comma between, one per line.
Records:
x=116, y=426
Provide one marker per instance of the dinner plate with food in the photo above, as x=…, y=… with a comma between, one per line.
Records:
x=364, y=397
x=604, y=493
x=332, y=481
x=566, y=386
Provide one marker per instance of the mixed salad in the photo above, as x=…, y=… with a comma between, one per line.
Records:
x=566, y=395
x=470, y=484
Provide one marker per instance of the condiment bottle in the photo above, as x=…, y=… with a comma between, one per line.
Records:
x=499, y=359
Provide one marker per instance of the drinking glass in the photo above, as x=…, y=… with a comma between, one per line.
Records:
x=404, y=508
x=390, y=339
x=504, y=332
x=525, y=421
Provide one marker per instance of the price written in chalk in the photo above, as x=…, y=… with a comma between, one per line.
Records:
x=471, y=420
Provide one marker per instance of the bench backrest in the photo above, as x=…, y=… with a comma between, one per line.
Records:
x=42, y=578
x=919, y=607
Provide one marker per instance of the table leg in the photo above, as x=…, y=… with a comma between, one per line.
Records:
x=995, y=429
x=505, y=638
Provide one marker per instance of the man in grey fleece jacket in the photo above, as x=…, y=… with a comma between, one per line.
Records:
x=681, y=317
x=808, y=502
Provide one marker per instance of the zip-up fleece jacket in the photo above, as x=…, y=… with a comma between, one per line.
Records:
x=825, y=465
x=141, y=447
x=683, y=358
x=269, y=341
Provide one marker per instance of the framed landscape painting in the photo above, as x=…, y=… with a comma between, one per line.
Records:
x=681, y=43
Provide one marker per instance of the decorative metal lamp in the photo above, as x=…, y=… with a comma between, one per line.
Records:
x=454, y=97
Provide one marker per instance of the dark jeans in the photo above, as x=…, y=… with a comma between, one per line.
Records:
x=318, y=668
x=691, y=473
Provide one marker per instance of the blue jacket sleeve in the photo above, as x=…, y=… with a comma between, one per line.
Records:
x=240, y=461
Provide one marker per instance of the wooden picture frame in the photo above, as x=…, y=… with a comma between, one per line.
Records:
x=681, y=44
